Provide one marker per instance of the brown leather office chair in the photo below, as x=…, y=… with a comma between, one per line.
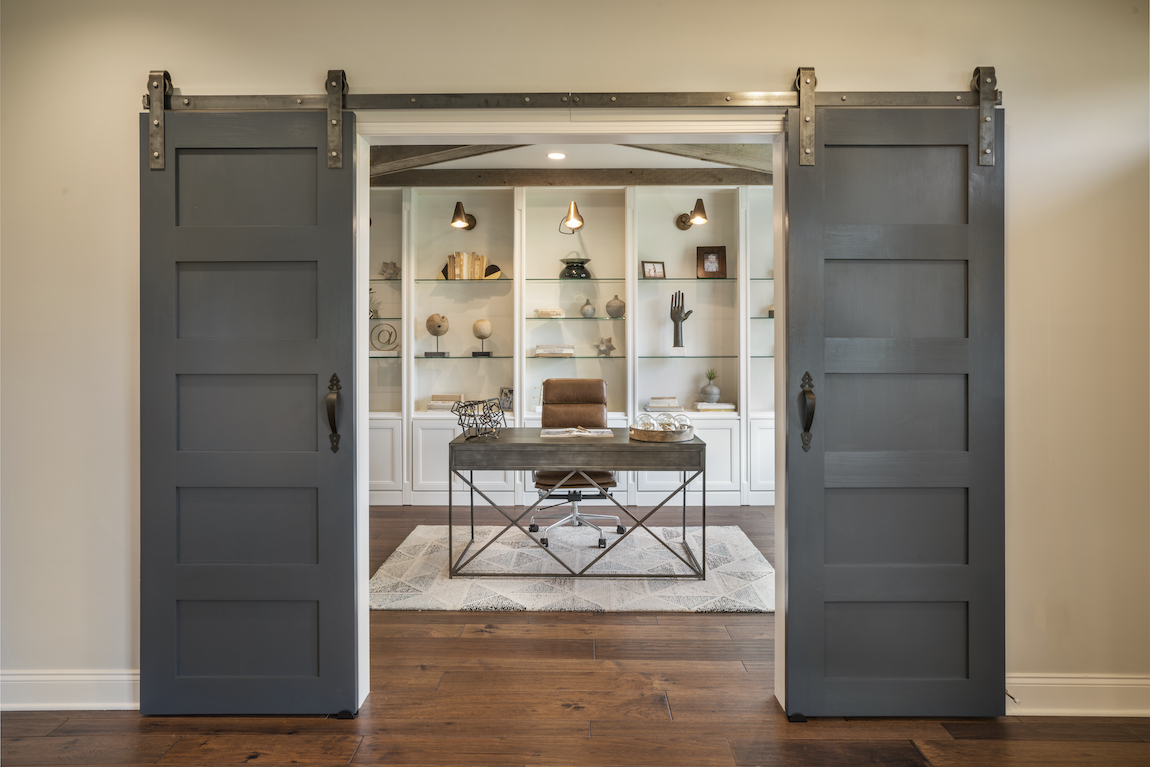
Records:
x=569, y=403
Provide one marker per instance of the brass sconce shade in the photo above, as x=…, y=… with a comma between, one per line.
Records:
x=696, y=216
x=462, y=219
x=572, y=220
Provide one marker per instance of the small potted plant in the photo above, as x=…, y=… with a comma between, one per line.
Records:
x=710, y=392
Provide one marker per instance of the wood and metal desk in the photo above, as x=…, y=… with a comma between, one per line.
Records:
x=526, y=450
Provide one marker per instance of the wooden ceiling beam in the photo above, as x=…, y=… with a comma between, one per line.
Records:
x=394, y=159
x=544, y=177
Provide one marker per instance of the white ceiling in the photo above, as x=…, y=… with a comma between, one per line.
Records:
x=579, y=156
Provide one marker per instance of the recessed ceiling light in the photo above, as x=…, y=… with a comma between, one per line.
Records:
x=556, y=155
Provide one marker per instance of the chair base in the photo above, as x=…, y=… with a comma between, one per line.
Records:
x=575, y=519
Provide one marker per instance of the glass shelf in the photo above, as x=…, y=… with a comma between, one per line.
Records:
x=577, y=280
x=692, y=357
x=689, y=279
x=584, y=319
x=762, y=356
x=576, y=357
x=380, y=279
x=439, y=280
x=761, y=317
x=466, y=356
x=375, y=356
x=762, y=279
x=392, y=319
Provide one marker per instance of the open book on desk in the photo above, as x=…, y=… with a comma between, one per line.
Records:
x=578, y=431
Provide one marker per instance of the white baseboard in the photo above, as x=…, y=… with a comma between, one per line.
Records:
x=1078, y=695
x=69, y=690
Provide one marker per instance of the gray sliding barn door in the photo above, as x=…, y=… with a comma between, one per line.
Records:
x=248, y=517
x=895, y=592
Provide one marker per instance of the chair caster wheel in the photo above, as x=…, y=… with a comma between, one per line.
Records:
x=533, y=528
x=543, y=541
x=602, y=543
x=620, y=529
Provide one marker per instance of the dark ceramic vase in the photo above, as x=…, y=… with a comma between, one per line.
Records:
x=575, y=269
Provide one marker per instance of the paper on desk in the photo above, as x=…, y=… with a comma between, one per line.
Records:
x=576, y=432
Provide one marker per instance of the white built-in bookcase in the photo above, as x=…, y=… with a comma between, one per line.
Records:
x=518, y=229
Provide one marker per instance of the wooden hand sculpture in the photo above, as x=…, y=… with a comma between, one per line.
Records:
x=677, y=317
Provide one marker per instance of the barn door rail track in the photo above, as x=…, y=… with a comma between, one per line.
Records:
x=160, y=96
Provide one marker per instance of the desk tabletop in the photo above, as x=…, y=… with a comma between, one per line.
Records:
x=526, y=449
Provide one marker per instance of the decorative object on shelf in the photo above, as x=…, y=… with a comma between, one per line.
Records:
x=462, y=219
x=771, y=311
x=587, y=309
x=653, y=270
x=373, y=302
x=555, y=350
x=384, y=338
x=697, y=216
x=616, y=308
x=710, y=392
x=711, y=262
x=480, y=418
x=549, y=314
x=678, y=317
x=576, y=268
x=389, y=271
x=437, y=325
x=572, y=220
x=443, y=402
x=468, y=266
x=481, y=330
x=604, y=347
x=506, y=398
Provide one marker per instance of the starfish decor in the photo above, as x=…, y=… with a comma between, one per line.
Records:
x=604, y=347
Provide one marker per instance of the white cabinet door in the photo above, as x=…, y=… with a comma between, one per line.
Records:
x=429, y=440
x=762, y=463
x=722, y=438
x=385, y=453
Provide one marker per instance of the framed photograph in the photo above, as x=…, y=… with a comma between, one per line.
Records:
x=653, y=270
x=506, y=398
x=711, y=262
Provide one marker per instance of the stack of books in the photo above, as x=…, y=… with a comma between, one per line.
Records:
x=443, y=402
x=549, y=313
x=714, y=407
x=466, y=266
x=555, y=350
x=664, y=405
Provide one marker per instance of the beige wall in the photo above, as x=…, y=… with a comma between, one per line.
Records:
x=1075, y=78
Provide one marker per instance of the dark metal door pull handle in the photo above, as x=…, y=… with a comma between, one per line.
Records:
x=332, y=411
x=807, y=405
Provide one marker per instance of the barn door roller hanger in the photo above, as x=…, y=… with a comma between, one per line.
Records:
x=160, y=97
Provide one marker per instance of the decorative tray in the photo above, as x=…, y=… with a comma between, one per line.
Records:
x=654, y=435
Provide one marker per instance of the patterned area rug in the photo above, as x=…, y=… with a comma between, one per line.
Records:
x=414, y=577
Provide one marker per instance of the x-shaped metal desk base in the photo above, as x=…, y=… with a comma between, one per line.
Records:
x=697, y=566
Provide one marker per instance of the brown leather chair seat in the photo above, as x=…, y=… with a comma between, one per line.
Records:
x=545, y=480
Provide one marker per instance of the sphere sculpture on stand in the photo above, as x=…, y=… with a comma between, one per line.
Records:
x=481, y=330
x=437, y=325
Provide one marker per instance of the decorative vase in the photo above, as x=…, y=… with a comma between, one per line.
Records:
x=587, y=310
x=710, y=392
x=576, y=269
x=616, y=308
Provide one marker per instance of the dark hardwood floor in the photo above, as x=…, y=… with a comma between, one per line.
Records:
x=568, y=689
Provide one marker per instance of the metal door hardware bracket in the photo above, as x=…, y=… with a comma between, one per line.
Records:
x=156, y=94
x=336, y=88
x=985, y=84
x=805, y=83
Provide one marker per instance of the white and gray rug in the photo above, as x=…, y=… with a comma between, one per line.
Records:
x=414, y=577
